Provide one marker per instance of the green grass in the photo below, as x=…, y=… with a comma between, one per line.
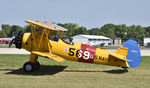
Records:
x=69, y=74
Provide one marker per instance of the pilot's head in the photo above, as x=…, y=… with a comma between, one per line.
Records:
x=70, y=39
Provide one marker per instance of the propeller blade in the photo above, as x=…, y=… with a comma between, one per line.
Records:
x=17, y=40
x=11, y=43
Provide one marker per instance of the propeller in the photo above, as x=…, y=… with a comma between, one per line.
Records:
x=11, y=42
x=17, y=40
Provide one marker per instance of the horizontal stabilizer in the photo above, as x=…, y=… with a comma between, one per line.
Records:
x=48, y=55
x=120, y=57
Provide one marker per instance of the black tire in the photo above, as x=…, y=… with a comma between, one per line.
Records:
x=125, y=70
x=37, y=66
x=28, y=67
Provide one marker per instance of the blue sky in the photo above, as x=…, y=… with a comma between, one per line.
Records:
x=88, y=13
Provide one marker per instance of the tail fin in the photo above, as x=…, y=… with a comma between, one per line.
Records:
x=122, y=51
x=133, y=56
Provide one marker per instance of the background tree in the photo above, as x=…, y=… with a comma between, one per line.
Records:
x=6, y=29
x=81, y=30
x=94, y=31
x=108, y=30
x=73, y=29
x=120, y=31
x=140, y=33
x=27, y=28
x=135, y=33
x=147, y=31
x=14, y=30
x=2, y=34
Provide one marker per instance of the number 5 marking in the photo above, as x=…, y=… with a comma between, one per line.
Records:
x=71, y=51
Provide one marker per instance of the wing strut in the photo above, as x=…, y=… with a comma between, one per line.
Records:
x=33, y=36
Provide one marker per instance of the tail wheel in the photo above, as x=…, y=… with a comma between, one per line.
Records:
x=125, y=69
x=28, y=67
x=36, y=66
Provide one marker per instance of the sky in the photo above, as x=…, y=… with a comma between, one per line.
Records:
x=87, y=13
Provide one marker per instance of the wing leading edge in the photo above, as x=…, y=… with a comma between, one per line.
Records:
x=47, y=25
x=48, y=55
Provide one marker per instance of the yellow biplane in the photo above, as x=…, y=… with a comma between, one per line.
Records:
x=40, y=43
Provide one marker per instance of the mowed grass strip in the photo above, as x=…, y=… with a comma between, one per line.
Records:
x=70, y=74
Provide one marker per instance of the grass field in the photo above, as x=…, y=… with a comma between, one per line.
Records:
x=69, y=74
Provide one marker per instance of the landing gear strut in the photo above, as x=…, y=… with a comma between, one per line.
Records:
x=32, y=65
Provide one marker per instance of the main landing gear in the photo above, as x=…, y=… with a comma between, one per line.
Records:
x=29, y=66
x=32, y=65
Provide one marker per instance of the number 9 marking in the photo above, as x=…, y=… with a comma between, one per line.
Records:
x=86, y=55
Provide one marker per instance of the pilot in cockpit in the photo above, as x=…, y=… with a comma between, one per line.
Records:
x=71, y=41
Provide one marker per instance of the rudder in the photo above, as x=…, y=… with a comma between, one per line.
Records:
x=134, y=54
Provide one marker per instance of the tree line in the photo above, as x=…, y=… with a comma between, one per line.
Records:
x=123, y=31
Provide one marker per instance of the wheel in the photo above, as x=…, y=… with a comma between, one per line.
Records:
x=28, y=67
x=36, y=66
x=125, y=69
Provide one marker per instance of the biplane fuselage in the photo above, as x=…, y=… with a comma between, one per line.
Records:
x=77, y=52
x=39, y=43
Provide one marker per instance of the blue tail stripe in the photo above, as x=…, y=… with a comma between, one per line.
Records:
x=134, y=55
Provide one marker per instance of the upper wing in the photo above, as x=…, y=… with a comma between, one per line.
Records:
x=47, y=25
x=55, y=26
x=48, y=55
